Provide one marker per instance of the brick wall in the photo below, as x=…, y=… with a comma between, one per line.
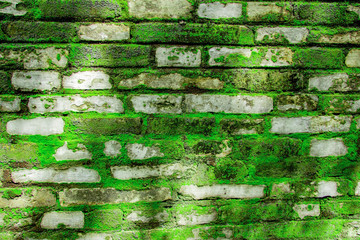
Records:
x=181, y=119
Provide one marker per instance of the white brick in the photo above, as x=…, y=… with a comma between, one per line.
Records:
x=353, y=58
x=332, y=82
x=218, y=10
x=29, y=198
x=327, y=189
x=138, y=151
x=52, y=220
x=307, y=210
x=157, y=104
x=178, y=57
x=76, y=103
x=36, y=126
x=36, y=80
x=136, y=172
x=104, y=32
x=51, y=175
x=112, y=148
x=87, y=80
x=10, y=105
x=357, y=189
x=64, y=153
x=159, y=8
x=196, y=219
x=12, y=8
x=256, y=11
x=138, y=216
x=223, y=191
x=291, y=34
x=228, y=104
x=46, y=58
x=328, y=147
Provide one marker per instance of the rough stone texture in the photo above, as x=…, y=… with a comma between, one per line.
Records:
x=64, y=153
x=52, y=220
x=328, y=147
x=10, y=105
x=165, y=170
x=352, y=37
x=112, y=148
x=159, y=8
x=51, y=175
x=104, y=32
x=332, y=82
x=341, y=105
x=151, y=104
x=354, y=9
x=228, y=104
x=21, y=152
x=242, y=126
x=297, y=102
x=282, y=34
x=36, y=80
x=327, y=189
x=217, y=10
x=138, y=151
x=223, y=191
x=36, y=126
x=307, y=210
x=268, y=12
x=357, y=189
x=28, y=198
x=317, y=57
x=196, y=219
x=12, y=8
x=178, y=56
x=76, y=103
x=319, y=124
x=101, y=196
x=353, y=58
x=278, y=190
x=139, y=216
x=87, y=80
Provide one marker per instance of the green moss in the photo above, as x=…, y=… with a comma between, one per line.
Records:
x=319, y=58
x=12, y=193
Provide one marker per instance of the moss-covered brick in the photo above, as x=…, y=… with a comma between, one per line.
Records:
x=5, y=83
x=192, y=33
x=334, y=35
x=242, y=126
x=39, y=31
x=20, y=152
x=180, y=125
x=341, y=104
x=101, y=219
x=319, y=58
x=297, y=102
x=107, y=126
x=109, y=55
x=340, y=208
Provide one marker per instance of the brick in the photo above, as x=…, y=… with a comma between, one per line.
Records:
x=52, y=220
x=138, y=151
x=223, y=191
x=268, y=12
x=297, y=102
x=11, y=8
x=159, y=8
x=334, y=35
x=192, y=33
x=319, y=58
x=51, y=175
x=87, y=80
x=217, y=10
x=101, y=219
x=197, y=217
x=242, y=126
x=36, y=80
x=75, y=103
x=293, y=35
x=20, y=152
x=148, y=217
x=20, y=31
x=112, y=148
x=36, y=126
x=151, y=104
x=5, y=83
x=24, y=198
x=178, y=56
x=319, y=124
x=180, y=125
x=307, y=210
x=64, y=153
x=341, y=104
x=175, y=170
x=330, y=82
x=328, y=147
x=107, y=126
x=101, y=196
x=10, y=104
x=110, y=55
x=353, y=58
x=250, y=57
x=228, y=104
x=327, y=189
x=357, y=189
x=104, y=32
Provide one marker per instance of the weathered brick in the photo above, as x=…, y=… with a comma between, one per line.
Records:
x=20, y=152
x=353, y=58
x=327, y=189
x=36, y=80
x=319, y=57
x=319, y=124
x=112, y=148
x=5, y=82
x=76, y=103
x=250, y=57
x=334, y=35
x=178, y=56
x=341, y=104
x=36, y=126
x=64, y=153
x=217, y=10
x=307, y=210
x=101, y=196
x=330, y=82
x=297, y=102
x=110, y=55
x=242, y=126
x=293, y=35
x=223, y=191
x=108, y=126
x=87, y=80
x=11, y=104
x=11, y=8
x=194, y=215
x=51, y=175
x=228, y=104
x=192, y=33
x=52, y=220
x=138, y=151
x=151, y=104
x=357, y=189
x=328, y=147
x=148, y=217
x=23, y=198
x=159, y=8
x=269, y=11
x=101, y=219
x=104, y=32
